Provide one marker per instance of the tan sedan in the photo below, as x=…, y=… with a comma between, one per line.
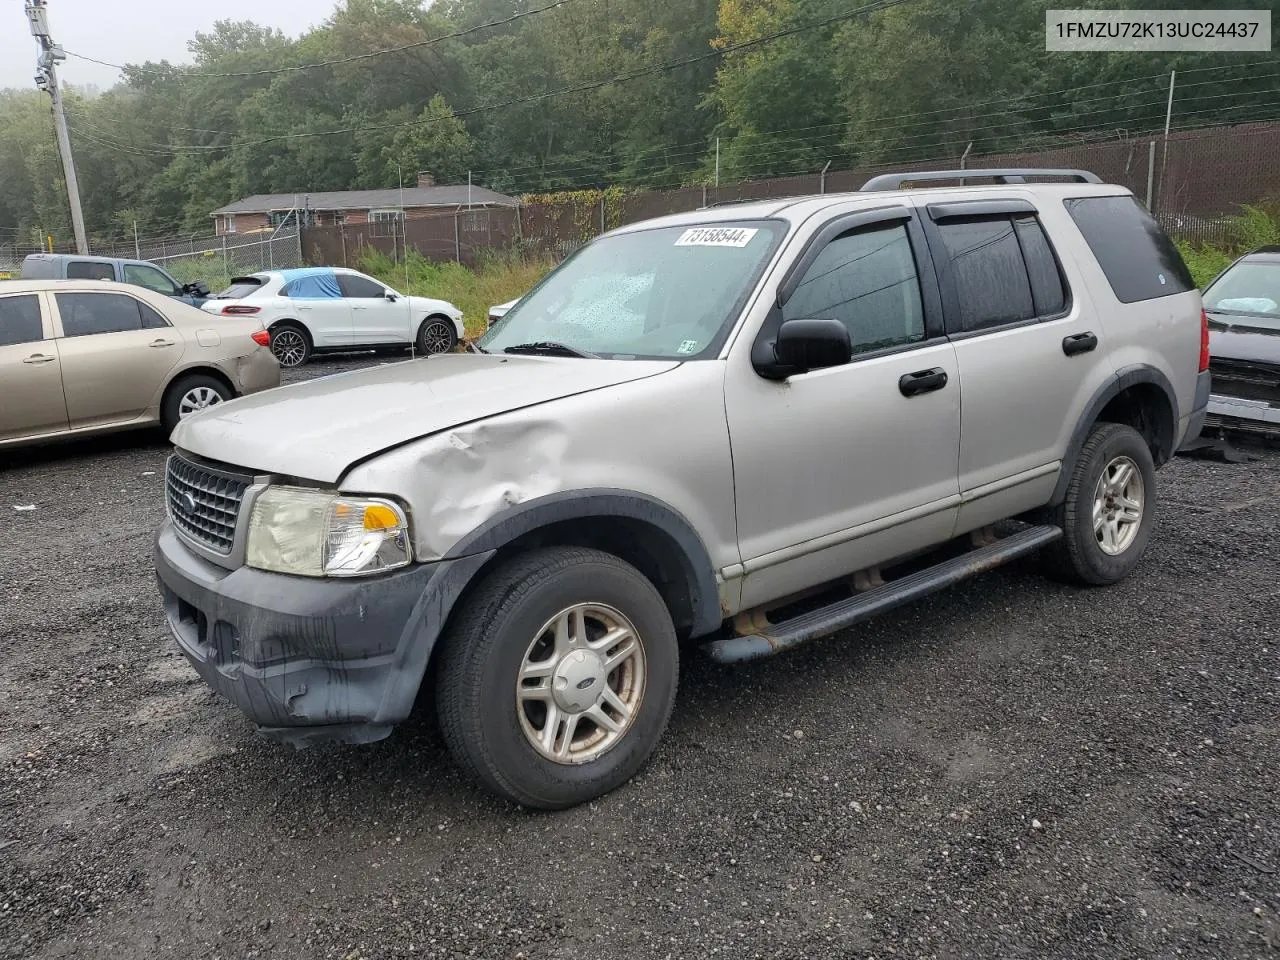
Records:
x=90, y=356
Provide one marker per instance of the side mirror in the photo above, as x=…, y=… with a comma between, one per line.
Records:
x=801, y=346
x=392, y=297
x=197, y=289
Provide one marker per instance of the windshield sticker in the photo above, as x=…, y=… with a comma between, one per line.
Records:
x=687, y=346
x=717, y=237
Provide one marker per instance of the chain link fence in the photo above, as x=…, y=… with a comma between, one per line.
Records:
x=213, y=259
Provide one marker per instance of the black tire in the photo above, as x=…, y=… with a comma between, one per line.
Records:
x=1079, y=556
x=171, y=410
x=486, y=643
x=437, y=335
x=285, y=346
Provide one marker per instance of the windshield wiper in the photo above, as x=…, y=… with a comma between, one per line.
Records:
x=549, y=348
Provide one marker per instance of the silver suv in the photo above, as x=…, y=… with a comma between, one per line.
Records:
x=743, y=427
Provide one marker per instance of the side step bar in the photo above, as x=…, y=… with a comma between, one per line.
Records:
x=845, y=613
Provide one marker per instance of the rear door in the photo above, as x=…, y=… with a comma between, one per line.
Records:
x=30, y=371
x=116, y=353
x=326, y=314
x=1030, y=350
x=374, y=318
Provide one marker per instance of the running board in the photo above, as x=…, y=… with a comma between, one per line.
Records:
x=845, y=613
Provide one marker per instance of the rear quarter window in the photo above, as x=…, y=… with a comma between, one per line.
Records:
x=1137, y=256
x=90, y=270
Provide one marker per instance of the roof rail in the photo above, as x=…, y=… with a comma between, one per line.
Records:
x=894, y=181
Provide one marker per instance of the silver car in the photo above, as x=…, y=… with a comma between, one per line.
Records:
x=79, y=357
x=740, y=428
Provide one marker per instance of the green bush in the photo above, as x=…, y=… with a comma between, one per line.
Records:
x=1256, y=227
x=473, y=291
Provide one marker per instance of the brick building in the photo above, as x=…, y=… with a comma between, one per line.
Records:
x=377, y=207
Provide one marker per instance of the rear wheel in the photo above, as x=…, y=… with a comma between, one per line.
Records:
x=1109, y=509
x=191, y=395
x=437, y=335
x=557, y=679
x=290, y=344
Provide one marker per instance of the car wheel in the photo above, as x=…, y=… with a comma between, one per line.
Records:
x=1109, y=509
x=191, y=395
x=557, y=679
x=437, y=335
x=290, y=344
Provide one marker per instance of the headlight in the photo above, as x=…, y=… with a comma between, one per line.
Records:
x=312, y=533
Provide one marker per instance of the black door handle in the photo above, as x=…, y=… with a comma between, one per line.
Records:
x=1079, y=343
x=922, y=381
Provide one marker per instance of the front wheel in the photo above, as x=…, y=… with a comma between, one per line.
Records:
x=437, y=335
x=557, y=679
x=1109, y=509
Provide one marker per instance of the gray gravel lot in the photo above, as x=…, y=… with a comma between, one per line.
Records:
x=1010, y=769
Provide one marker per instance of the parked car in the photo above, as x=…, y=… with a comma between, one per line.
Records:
x=765, y=446
x=140, y=273
x=80, y=357
x=323, y=309
x=1243, y=304
x=499, y=311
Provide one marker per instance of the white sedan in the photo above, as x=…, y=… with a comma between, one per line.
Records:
x=325, y=309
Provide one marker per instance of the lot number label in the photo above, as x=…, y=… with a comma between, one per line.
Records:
x=717, y=237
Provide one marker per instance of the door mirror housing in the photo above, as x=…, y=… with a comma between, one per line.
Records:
x=392, y=296
x=801, y=346
x=197, y=289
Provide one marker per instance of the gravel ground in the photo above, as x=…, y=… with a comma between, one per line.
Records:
x=1010, y=769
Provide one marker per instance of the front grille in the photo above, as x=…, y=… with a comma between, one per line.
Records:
x=1246, y=380
x=204, y=503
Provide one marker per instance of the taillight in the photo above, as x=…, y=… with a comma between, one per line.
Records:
x=262, y=338
x=239, y=310
x=1204, y=341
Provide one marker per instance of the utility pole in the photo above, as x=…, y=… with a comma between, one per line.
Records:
x=47, y=80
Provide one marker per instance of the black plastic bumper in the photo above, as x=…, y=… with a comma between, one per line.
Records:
x=308, y=659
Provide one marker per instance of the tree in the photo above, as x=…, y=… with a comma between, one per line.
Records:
x=437, y=141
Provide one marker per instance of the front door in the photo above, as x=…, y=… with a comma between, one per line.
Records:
x=116, y=354
x=1021, y=330
x=30, y=371
x=844, y=468
x=374, y=318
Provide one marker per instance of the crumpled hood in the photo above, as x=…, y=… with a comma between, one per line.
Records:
x=317, y=429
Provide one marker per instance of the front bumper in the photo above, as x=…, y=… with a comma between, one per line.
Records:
x=306, y=659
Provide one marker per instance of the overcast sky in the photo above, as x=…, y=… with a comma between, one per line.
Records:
x=131, y=31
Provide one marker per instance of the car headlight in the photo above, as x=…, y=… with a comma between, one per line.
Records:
x=313, y=533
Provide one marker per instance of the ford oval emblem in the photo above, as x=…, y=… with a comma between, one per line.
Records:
x=586, y=682
x=189, y=502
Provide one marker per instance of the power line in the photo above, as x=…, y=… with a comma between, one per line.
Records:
x=272, y=71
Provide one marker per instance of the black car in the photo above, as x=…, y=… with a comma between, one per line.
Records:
x=1243, y=305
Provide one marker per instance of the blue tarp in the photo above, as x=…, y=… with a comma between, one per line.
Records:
x=312, y=283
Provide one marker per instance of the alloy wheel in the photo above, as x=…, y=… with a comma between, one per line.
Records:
x=1118, y=504
x=580, y=683
x=290, y=347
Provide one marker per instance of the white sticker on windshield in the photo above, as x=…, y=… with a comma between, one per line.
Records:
x=687, y=346
x=717, y=237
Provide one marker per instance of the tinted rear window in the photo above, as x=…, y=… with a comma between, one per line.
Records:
x=89, y=270
x=1139, y=259
x=240, y=288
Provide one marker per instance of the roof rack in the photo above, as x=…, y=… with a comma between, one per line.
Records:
x=894, y=181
